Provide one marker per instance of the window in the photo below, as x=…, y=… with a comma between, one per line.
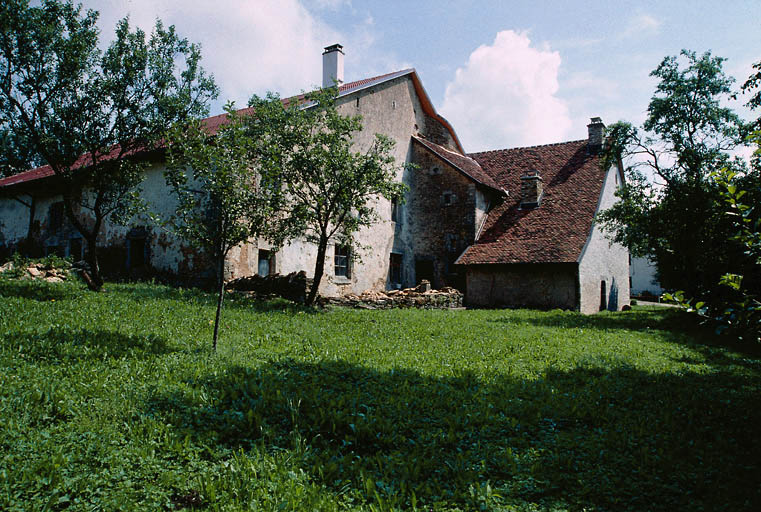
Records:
x=357, y=101
x=395, y=210
x=395, y=268
x=341, y=261
x=264, y=263
x=136, y=257
x=448, y=198
x=55, y=216
x=137, y=248
x=603, y=296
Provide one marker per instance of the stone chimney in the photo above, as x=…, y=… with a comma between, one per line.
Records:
x=596, y=131
x=531, y=189
x=332, y=66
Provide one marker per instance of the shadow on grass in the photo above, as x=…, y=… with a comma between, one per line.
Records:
x=39, y=290
x=71, y=345
x=234, y=300
x=604, y=438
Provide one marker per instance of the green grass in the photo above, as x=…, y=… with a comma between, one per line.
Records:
x=114, y=401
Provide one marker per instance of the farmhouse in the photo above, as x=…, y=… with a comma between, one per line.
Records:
x=509, y=227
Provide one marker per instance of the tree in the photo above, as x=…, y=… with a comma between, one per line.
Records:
x=87, y=113
x=671, y=208
x=328, y=187
x=221, y=201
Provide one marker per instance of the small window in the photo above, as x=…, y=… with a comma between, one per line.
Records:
x=434, y=171
x=394, y=210
x=264, y=263
x=357, y=101
x=603, y=296
x=448, y=198
x=341, y=261
x=55, y=216
x=395, y=268
x=393, y=104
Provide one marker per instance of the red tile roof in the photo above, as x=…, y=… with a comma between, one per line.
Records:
x=212, y=123
x=555, y=231
x=462, y=163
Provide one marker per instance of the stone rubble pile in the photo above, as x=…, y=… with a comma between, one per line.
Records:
x=293, y=286
x=38, y=271
x=422, y=296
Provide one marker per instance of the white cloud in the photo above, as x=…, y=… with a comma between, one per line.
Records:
x=250, y=47
x=257, y=46
x=642, y=24
x=505, y=96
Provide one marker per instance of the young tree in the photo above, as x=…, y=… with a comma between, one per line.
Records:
x=87, y=113
x=221, y=201
x=327, y=186
x=671, y=209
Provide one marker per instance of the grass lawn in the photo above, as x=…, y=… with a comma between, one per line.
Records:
x=114, y=401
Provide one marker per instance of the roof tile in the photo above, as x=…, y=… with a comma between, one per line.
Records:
x=557, y=229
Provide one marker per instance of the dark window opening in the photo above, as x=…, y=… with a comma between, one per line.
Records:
x=75, y=249
x=357, y=101
x=603, y=296
x=447, y=198
x=395, y=268
x=395, y=210
x=264, y=263
x=136, y=253
x=55, y=216
x=341, y=261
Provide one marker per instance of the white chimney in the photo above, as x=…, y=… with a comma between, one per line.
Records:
x=332, y=66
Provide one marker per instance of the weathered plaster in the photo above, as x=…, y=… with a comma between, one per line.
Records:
x=544, y=286
x=603, y=260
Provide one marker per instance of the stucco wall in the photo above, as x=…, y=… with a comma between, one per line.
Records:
x=644, y=278
x=542, y=286
x=603, y=261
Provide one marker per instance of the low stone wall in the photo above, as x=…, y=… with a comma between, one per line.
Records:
x=446, y=298
x=293, y=286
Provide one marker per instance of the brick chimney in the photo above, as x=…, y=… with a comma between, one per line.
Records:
x=531, y=189
x=332, y=66
x=596, y=131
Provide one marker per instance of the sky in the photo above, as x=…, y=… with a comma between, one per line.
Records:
x=504, y=73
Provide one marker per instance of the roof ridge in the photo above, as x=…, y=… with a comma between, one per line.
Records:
x=527, y=147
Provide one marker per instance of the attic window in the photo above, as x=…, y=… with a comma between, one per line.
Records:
x=434, y=171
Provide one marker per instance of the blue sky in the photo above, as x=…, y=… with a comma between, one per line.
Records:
x=504, y=73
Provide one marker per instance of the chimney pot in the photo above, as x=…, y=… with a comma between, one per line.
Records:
x=596, y=130
x=332, y=66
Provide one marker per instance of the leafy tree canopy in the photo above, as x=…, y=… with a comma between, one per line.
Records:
x=329, y=187
x=85, y=112
x=671, y=207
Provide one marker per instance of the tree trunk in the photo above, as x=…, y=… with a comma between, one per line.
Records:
x=319, y=269
x=220, y=298
x=95, y=283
